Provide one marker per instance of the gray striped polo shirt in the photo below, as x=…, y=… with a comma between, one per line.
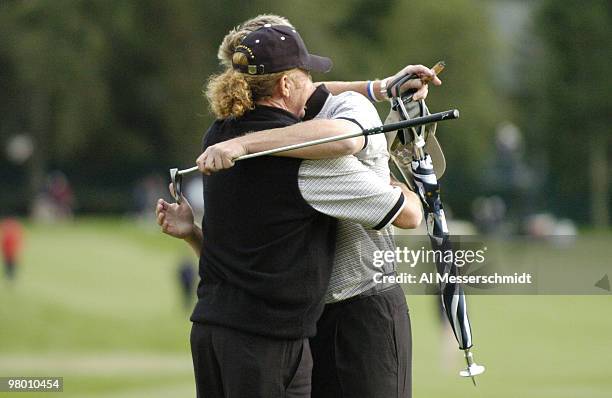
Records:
x=356, y=190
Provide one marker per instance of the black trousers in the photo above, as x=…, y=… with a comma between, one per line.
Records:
x=363, y=348
x=232, y=364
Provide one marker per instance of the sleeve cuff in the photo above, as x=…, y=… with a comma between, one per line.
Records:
x=365, y=137
x=392, y=214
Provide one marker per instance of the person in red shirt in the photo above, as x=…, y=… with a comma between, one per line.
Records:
x=11, y=237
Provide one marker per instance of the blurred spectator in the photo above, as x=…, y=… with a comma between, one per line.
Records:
x=540, y=226
x=510, y=178
x=11, y=239
x=489, y=213
x=56, y=202
x=147, y=191
x=60, y=193
x=546, y=227
x=186, y=279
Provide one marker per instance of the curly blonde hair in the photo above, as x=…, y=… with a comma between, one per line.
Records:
x=234, y=36
x=233, y=93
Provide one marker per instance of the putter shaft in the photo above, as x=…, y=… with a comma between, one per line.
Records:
x=187, y=171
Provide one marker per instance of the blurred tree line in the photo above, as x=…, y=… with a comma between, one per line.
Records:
x=110, y=90
x=566, y=105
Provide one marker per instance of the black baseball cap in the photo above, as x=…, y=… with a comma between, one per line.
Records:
x=277, y=48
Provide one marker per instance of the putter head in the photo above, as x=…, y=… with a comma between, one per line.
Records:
x=472, y=369
x=176, y=178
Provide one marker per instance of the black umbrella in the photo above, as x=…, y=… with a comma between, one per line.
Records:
x=411, y=162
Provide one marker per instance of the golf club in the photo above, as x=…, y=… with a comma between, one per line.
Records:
x=176, y=175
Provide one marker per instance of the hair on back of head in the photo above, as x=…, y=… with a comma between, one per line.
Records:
x=233, y=93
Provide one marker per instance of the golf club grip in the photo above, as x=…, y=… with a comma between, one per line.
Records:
x=399, y=82
x=402, y=79
x=417, y=121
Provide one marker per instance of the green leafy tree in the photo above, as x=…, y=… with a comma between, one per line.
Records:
x=571, y=103
x=111, y=90
x=57, y=53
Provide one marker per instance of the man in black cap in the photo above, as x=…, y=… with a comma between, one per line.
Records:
x=267, y=242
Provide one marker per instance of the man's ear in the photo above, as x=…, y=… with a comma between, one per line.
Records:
x=284, y=85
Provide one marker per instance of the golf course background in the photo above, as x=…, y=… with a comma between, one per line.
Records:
x=101, y=98
x=96, y=302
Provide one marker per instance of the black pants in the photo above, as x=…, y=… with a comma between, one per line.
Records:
x=232, y=364
x=363, y=348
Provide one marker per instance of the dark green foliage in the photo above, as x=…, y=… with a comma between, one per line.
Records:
x=568, y=106
x=112, y=89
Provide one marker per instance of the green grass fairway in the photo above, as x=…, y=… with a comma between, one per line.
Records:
x=96, y=302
